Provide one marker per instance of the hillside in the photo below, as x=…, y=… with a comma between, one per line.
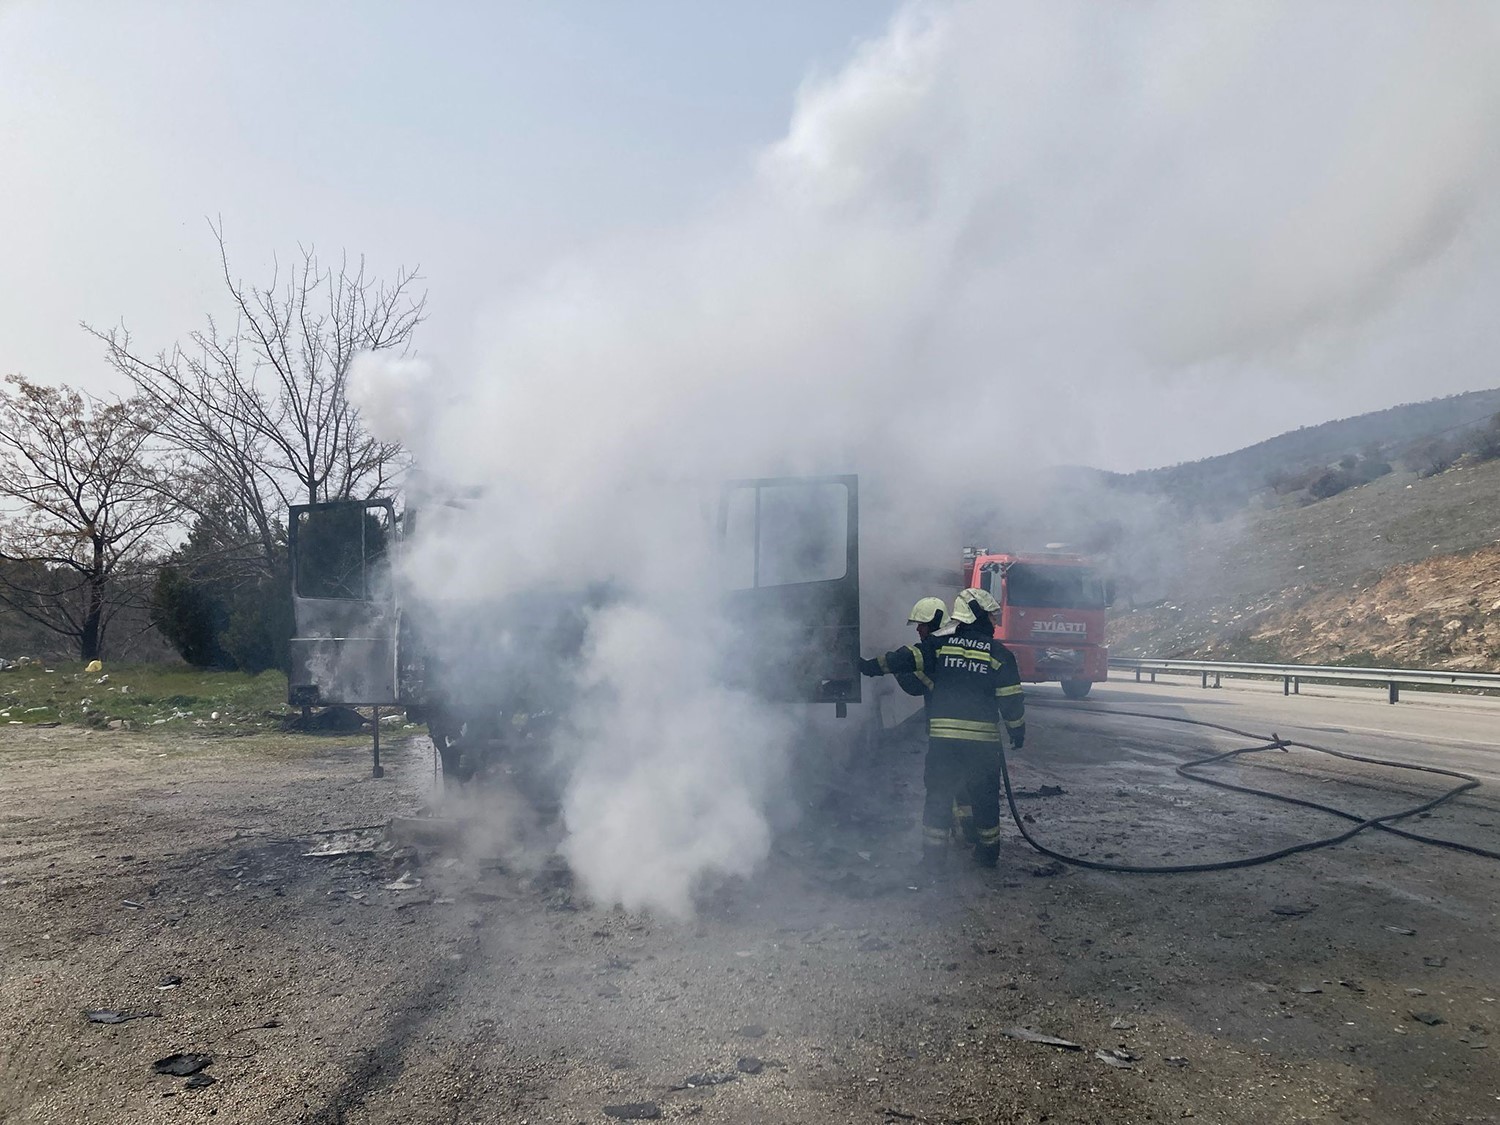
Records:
x=1420, y=436
x=1443, y=612
x=1383, y=570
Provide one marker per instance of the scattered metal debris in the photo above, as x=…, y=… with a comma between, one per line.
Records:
x=268, y=1025
x=1027, y=1035
x=1309, y=990
x=348, y=842
x=633, y=1111
x=1434, y=962
x=750, y=1065
x=199, y=1081
x=1404, y=931
x=1292, y=910
x=1431, y=1019
x=406, y=881
x=131, y=904
x=1118, y=1024
x=707, y=1078
x=1175, y=1060
x=182, y=1064
x=1124, y=1060
x=108, y=1015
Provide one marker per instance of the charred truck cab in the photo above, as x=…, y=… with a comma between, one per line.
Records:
x=1052, y=614
x=789, y=582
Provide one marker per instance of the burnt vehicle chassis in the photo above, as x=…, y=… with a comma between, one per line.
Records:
x=484, y=677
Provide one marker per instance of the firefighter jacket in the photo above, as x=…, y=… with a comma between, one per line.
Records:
x=910, y=683
x=972, y=684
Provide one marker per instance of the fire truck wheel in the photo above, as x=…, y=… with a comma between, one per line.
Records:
x=1076, y=689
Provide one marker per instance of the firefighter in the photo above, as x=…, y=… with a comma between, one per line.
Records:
x=927, y=615
x=974, y=687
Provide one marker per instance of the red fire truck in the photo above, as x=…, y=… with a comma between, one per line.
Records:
x=1052, y=612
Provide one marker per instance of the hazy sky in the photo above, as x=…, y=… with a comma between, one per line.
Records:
x=481, y=140
x=1339, y=170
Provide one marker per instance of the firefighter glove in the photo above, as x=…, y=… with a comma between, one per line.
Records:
x=870, y=668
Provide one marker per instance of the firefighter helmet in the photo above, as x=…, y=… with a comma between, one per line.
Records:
x=963, y=605
x=926, y=612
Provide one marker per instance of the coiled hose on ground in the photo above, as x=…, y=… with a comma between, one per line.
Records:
x=1385, y=822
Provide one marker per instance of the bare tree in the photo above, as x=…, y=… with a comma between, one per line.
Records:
x=260, y=413
x=87, y=508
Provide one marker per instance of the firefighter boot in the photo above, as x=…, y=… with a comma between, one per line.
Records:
x=934, y=852
x=987, y=846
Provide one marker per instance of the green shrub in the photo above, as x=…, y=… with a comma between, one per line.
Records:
x=191, y=616
x=259, y=627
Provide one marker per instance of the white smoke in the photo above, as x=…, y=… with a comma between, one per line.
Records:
x=1040, y=231
x=671, y=776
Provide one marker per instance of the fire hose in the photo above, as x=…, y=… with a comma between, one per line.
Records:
x=1384, y=822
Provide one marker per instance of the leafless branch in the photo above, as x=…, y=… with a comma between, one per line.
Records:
x=259, y=415
x=87, y=506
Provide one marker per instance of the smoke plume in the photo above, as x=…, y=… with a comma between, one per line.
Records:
x=1002, y=236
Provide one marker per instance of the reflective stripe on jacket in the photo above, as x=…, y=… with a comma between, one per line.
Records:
x=974, y=684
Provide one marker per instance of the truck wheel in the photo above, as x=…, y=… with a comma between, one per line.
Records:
x=1077, y=689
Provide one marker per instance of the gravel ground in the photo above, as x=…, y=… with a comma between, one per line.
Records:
x=447, y=970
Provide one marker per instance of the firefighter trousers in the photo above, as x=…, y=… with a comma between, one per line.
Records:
x=963, y=794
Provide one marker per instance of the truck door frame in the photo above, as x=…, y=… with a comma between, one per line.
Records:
x=820, y=617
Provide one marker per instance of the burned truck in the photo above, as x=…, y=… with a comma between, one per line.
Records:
x=787, y=552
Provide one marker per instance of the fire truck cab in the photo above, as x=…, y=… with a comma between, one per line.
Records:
x=1052, y=614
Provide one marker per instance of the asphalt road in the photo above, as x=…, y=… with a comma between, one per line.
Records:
x=1442, y=731
x=1459, y=732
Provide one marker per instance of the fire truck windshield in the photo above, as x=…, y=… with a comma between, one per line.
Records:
x=1054, y=587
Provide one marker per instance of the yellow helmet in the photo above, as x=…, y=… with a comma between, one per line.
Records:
x=982, y=598
x=926, y=611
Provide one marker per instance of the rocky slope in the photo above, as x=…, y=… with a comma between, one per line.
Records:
x=1442, y=612
x=1401, y=571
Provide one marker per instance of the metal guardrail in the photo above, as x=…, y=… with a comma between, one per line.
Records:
x=1292, y=675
